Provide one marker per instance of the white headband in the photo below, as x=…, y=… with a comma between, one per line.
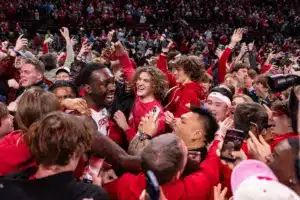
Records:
x=221, y=97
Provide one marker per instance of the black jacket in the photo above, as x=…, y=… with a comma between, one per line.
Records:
x=62, y=186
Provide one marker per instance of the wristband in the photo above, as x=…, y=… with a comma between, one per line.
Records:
x=144, y=136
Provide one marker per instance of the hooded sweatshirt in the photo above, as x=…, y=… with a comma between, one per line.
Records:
x=181, y=97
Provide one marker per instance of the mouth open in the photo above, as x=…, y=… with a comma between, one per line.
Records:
x=110, y=97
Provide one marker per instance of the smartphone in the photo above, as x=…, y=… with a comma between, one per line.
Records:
x=232, y=142
x=152, y=186
x=114, y=37
x=155, y=112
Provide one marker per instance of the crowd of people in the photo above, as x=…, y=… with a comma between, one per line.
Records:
x=87, y=114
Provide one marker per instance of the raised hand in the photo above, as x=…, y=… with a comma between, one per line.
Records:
x=85, y=48
x=237, y=35
x=21, y=43
x=65, y=32
x=148, y=125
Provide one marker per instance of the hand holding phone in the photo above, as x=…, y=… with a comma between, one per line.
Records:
x=152, y=188
x=148, y=124
x=232, y=142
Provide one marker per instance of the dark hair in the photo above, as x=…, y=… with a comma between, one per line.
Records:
x=250, y=112
x=210, y=123
x=85, y=76
x=164, y=157
x=158, y=80
x=252, y=74
x=49, y=60
x=192, y=66
x=33, y=104
x=38, y=65
x=281, y=106
x=3, y=111
x=224, y=90
x=239, y=66
x=59, y=84
x=263, y=80
x=55, y=138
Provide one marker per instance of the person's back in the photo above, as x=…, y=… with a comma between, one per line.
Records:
x=56, y=142
x=166, y=156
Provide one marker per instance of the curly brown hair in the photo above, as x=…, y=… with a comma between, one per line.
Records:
x=192, y=66
x=158, y=80
x=57, y=137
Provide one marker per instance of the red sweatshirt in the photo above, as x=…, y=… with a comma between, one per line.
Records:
x=222, y=65
x=181, y=96
x=139, y=109
x=198, y=185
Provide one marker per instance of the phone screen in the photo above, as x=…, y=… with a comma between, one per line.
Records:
x=232, y=142
x=152, y=189
x=155, y=112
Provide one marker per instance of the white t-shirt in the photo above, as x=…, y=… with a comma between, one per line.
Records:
x=101, y=118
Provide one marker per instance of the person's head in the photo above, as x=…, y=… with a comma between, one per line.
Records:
x=31, y=72
x=219, y=102
x=239, y=99
x=21, y=57
x=166, y=157
x=6, y=121
x=62, y=74
x=261, y=86
x=207, y=82
x=280, y=116
x=63, y=90
x=33, y=104
x=95, y=54
x=150, y=82
x=235, y=81
x=252, y=74
x=248, y=115
x=98, y=83
x=285, y=163
x=49, y=60
x=58, y=140
x=241, y=70
x=253, y=179
x=196, y=128
x=188, y=68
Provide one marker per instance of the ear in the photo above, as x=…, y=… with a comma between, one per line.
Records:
x=87, y=88
x=40, y=76
x=228, y=110
x=197, y=135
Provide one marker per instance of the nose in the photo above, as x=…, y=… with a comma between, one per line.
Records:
x=111, y=88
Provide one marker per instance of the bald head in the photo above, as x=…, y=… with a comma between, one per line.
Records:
x=166, y=156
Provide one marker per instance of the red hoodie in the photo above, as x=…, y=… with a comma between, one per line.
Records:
x=181, y=96
x=139, y=109
x=198, y=185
